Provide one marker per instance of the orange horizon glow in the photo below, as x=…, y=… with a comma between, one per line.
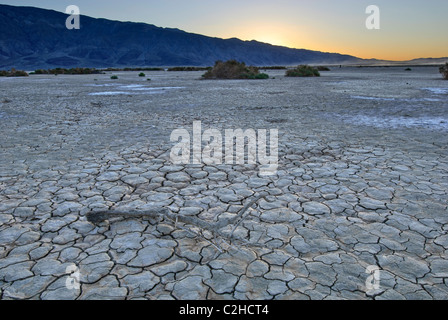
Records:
x=376, y=47
x=364, y=53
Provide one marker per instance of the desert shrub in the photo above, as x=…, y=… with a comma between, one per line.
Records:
x=408, y=69
x=141, y=74
x=81, y=71
x=57, y=71
x=303, y=71
x=322, y=68
x=259, y=76
x=133, y=69
x=41, y=71
x=444, y=71
x=13, y=73
x=273, y=68
x=19, y=73
x=233, y=69
x=114, y=77
x=189, y=68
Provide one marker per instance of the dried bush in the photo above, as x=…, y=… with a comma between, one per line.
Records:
x=303, y=71
x=233, y=69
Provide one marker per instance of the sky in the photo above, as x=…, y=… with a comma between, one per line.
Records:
x=408, y=29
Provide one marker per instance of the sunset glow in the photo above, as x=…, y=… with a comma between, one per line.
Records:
x=409, y=28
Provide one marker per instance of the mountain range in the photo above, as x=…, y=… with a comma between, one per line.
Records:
x=34, y=38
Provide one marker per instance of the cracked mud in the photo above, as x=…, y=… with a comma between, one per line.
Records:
x=362, y=181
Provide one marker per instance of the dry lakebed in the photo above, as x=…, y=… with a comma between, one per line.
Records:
x=356, y=210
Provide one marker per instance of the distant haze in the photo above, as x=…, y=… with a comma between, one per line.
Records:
x=409, y=28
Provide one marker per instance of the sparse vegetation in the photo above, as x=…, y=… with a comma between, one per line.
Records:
x=444, y=71
x=322, y=68
x=189, y=68
x=114, y=77
x=303, y=71
x=273, y=68
x=259, y=76
x=68, y=71
x=133, y=69
x=233, y=69
x=13, y=73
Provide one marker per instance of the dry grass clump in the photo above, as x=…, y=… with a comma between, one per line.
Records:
x=233, y=69
x=303, y=71
x=13, y=73
x=444, y=71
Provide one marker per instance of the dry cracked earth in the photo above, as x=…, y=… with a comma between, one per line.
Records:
x=361, y=184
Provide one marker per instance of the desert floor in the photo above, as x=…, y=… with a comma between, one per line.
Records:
x=356, y=210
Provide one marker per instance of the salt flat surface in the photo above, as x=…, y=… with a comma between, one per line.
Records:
x=437, y=90
x=133, y=89
x=362, y=181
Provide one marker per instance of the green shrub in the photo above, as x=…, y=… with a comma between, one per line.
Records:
x=114, y=77
x=322, y=68
x=444, y=71
x=233, y=69
x=408, y=69
x=262, y=76
x=303, y=71
x=259, y=76
x=141, y=74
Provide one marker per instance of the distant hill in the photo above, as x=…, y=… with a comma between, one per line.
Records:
x=425, y=61
x=32, y=38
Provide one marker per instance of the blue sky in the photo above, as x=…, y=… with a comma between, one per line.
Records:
x=408, y=28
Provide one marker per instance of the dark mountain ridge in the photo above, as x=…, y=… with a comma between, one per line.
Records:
x=32, y=38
